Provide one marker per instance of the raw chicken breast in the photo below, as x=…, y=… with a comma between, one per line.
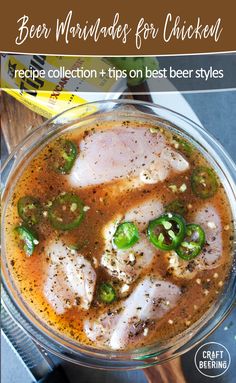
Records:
x=209, y=220
x=181, y=268
x=70, y=279
x=130, y=320
x=127, y=265
x=144, y=212
x=166, y=161
x=131, y=154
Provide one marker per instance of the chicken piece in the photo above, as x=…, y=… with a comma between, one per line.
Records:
x=70, y=279
x=130, y=320
x=56, y=291
x=144, y=212
x=168, y=160
x=181, y=268
x=125, y=154
x=209, y=219
x=127, y=265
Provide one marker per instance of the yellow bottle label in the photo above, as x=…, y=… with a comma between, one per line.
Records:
x=50, y=96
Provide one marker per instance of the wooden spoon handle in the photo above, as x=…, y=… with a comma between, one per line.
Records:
x=169, y=372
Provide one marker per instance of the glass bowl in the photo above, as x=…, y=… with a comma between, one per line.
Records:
x=81, y=116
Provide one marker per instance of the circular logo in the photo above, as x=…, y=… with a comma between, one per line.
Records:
x=212, y=359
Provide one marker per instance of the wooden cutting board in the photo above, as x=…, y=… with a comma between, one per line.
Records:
x=17, y=121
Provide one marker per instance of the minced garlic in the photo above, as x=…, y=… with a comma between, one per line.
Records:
x=183, y=188
x=211, y=225
x=173, y=188
x=124, y=288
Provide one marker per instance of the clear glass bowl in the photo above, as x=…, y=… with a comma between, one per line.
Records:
x=79, y=117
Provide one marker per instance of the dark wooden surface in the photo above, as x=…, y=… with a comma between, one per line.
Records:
x=16, y=120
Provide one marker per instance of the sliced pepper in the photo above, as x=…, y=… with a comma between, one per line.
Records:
x=64, y=156
x=126, y=235
x=29, y=209
x=106, y=293
x=66, y=212
x=177, y=206
x=203, y=182
x=167, y=231
x=193, y=242
x=184, y=146
x=28, y=238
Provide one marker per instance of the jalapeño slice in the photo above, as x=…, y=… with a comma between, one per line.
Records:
x=29, y=209
x=106, y=293
x=66, y=212
x=28, y=238
x=177, y=206
x=126, y=235
x=64, y=156
x=167, y=231
x=185, y=147
x=193, y=242
x=203, y=182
